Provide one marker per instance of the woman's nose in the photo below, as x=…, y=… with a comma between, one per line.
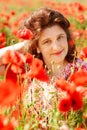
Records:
x=56, y=45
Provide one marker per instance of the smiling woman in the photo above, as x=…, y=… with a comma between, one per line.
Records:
x=50, y=42
x=51, y=39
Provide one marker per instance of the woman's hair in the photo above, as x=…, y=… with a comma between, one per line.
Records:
x=43, y=18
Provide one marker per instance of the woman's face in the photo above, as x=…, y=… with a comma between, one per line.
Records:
x=53, y=45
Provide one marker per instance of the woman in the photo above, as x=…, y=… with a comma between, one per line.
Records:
x=51, y=41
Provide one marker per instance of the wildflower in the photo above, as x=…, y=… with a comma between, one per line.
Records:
x=5, y=124
x=71, y=42
x=77, y=101
x=11, y=75
x=64, y=85
x=8, y=92
x=29, y=58
x=25, y=34
x=83, y=53
x=79, y=78
x=79, y=6
x=77, y=33
x=81, y=18
x=82, y=90
x=13, y=12
x=80, y=128
x=38, y=71
x=2, y=40
x=64, y=104
x=16, y=59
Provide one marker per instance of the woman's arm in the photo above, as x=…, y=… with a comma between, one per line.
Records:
x=19, y=47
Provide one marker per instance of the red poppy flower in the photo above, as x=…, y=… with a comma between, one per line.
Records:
x=14, y=32
x=11, y=75
x=64, y=104
x=77, y=33
x=83, y=53
x=8, y=57
x=2, y=45
x=82, y=90
x=16, y=59
x=71, y=42
x=13, y=12
x=81, y=18
x=8, y=92
x=5, y=124
x=2, y=40
x=80, y=128
x=42, y=75
x=79, y=6
x=79, y=78
x=25, y=34
x=37, y=70
x=66, y=86
x=62, y=83
x=6, y=24
x=76, y=99
x=29, y=58
x=36, y=66
x=17, y=69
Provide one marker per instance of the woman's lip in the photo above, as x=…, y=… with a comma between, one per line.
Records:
x=57, y=53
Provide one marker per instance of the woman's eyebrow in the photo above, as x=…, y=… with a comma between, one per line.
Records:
x=60, y=34
x=45, y=39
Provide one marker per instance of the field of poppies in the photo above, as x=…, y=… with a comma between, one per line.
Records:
x=19, y=109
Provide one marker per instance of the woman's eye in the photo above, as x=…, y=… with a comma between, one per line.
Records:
x=60, y=37
x=47, y=42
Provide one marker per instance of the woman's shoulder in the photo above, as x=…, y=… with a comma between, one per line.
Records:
x=81, y=64
x=75, y=66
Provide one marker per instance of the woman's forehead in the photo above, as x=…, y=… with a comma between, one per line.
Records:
x=51, y=31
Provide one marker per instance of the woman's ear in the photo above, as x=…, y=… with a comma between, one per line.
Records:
x=38, y=50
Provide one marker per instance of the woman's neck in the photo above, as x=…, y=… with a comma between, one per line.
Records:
x=58, y=69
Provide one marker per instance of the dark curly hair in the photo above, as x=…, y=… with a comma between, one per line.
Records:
x=46, y=17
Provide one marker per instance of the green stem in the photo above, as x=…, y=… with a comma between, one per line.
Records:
x=6, y=70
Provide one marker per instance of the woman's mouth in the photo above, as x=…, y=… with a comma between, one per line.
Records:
x=58, y=52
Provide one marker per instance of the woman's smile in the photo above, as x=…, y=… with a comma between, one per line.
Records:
x=58, y=52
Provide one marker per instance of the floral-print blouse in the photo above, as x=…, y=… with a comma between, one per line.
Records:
x=78, y=64
x=43, y=94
